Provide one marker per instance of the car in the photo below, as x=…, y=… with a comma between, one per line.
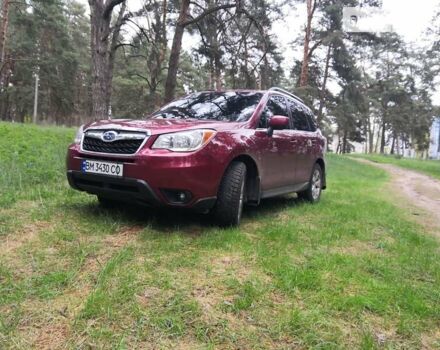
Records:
x=211, y=152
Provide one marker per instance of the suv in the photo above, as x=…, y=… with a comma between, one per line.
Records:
x=208, y=151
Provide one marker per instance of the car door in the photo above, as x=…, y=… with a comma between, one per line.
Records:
x=276, y=154
x=316, y=139
x=304, y=140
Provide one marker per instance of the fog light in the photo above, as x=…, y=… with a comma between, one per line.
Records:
x=177, y=196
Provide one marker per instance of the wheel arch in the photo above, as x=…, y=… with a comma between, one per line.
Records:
x=252, y=178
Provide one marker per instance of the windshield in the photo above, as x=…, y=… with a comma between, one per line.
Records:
x=219, y=106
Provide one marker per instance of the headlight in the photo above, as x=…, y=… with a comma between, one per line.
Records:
x=79, y=135
x=185, y=141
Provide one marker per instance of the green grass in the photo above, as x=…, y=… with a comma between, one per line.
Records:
x=349, y=272
x=428, y=167
x=32, y=160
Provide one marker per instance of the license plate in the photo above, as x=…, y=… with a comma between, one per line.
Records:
x=98, y=167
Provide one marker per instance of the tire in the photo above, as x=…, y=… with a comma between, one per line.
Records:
x=231, y=196
x=313, y=192
x=107, y=203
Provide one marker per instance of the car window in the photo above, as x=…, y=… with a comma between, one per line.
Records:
x=299, y=117
x=220, y=106
x=276, y=105
x=311, y=120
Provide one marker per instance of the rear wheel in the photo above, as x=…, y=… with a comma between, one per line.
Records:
x=313, y=192
x=231, y=195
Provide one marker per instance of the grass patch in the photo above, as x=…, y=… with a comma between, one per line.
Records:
x=349, y=272
x=32, y=161
x=428, y=167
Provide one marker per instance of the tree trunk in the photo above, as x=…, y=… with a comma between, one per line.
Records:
x=173, y=65
x=163, y=50
x=182, y=22
x=234, y=74
x=249, y=82
x=304, y=77
x=112, y=56
x=322, y=94
x=382, y=141
x=344, y=143
x=213, y=49
x=102, y=70
x=218, y=78
x=4, y=28
x=100, y=30
x=438, y=149
x=217, y=64
x=265, y=83
x=3, y=34
x=393, y=143
x=371, y=136
x=377, y=139
x=211, y=74
x=157, y=57
x=365, y=127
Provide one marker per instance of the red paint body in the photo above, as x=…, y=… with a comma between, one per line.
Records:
x=282, y=161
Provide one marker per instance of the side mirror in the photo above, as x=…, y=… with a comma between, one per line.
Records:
x=277, y=122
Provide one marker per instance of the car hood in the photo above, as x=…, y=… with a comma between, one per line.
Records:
x=162, y=126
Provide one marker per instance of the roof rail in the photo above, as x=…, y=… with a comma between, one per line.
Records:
x=278, y=89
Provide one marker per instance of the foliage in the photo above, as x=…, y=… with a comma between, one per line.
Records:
x=363, y=87
x=47, y=38
x=385, y=85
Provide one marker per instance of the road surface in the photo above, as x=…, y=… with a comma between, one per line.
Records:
x=418, y=193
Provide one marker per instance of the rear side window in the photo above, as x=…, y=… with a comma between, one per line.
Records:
x=312, y=122
x=276, y=105
x=299, y=117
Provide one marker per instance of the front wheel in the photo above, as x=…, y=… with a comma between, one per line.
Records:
x=231, y=194
x=313, y=192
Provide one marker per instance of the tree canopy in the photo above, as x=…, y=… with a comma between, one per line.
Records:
x=104, y=60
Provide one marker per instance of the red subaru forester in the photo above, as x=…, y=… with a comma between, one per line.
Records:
x=208, y=151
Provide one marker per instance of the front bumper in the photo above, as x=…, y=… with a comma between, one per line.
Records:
x=148, y=177
x=128, y=190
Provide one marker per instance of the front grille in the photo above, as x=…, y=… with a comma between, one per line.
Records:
x=116, y=147
x=124, y=142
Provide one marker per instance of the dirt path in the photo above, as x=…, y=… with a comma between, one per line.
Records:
x=418, y=193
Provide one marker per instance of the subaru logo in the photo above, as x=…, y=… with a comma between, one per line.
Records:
x=109, y=136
